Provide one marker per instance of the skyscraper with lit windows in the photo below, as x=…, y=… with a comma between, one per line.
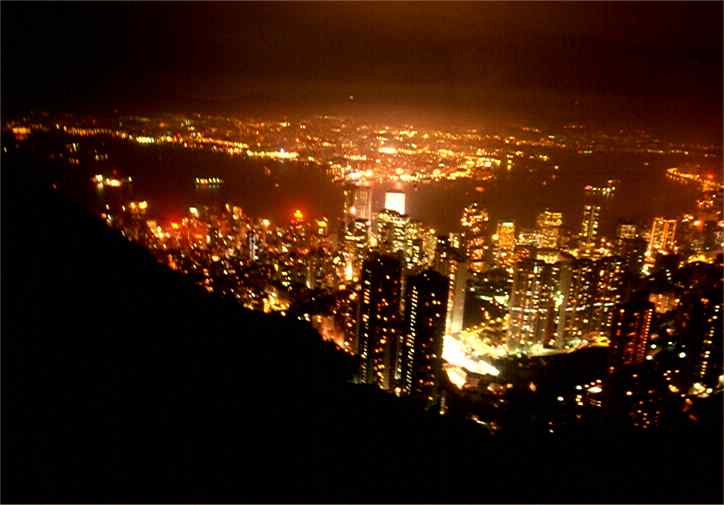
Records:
x=392, y=232
x=590, y=223
x=532, y=304
x=475, y=227
x=609, y=290
x=357, y=203
x=548, y=226
x=630, y=246
x=424, y=327
x=505, y=243
x=630, y=333
x=577, y=288
x=662, y=237
x=458, y=275
x=379, y=320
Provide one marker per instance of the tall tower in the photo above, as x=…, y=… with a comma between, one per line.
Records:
x=392, y=231
x=630, y=246
x=457, y=275
x=549, y=227
x=425, y=310
x=590, y=223
x=378, y=327
x=630, y=332
x=578, y=284
x=662, y=237
x=609, y=275
x=356, y=241
x=505, y=247
x=357, y=203
x=475, y=226
x=596, y=199
x=532, y=303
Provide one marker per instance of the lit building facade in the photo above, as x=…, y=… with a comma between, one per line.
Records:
x=458, y=275
x=548, y=226
x=630, y=246
x=357, y=203
x=505, y=243
x=379, y=320
x=392, y=231
x=630, y=333
x=662, y=237
x=425, y=315
x=531, y=315
x=475, y=228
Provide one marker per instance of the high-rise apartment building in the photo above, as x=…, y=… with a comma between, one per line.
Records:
x=379, y=320
x=532, y=304
x=630, y=333
x=662, y=237
x=475, y=227
x=424, y=328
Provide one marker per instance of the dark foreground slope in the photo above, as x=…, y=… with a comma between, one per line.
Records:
x=121, y=382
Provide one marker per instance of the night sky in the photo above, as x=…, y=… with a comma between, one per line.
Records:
x=649, y=63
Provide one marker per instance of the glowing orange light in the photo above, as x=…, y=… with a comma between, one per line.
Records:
x=298, y=215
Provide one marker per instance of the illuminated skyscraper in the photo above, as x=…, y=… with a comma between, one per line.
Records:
x=596, y=199
x=532, y=303
x=346, y=314
x=429, y=245
x=357, y=203
x=590, y=224
x=549, y=227
x=475, y=227
x=505, y=243
x=609, y=279
x=457, y=275
x=630, y=246
x=630, y=332
x=661, y=240
x=442, y=253
x=696, y=342
x=424, y=328
x=392, y=231
x=395, y=200
x=356, y=242
x=415, y=255
x=379, y=321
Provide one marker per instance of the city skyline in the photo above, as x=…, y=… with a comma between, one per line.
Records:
x=345, y=252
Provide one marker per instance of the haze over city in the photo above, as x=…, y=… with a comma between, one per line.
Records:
x=349, y=252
